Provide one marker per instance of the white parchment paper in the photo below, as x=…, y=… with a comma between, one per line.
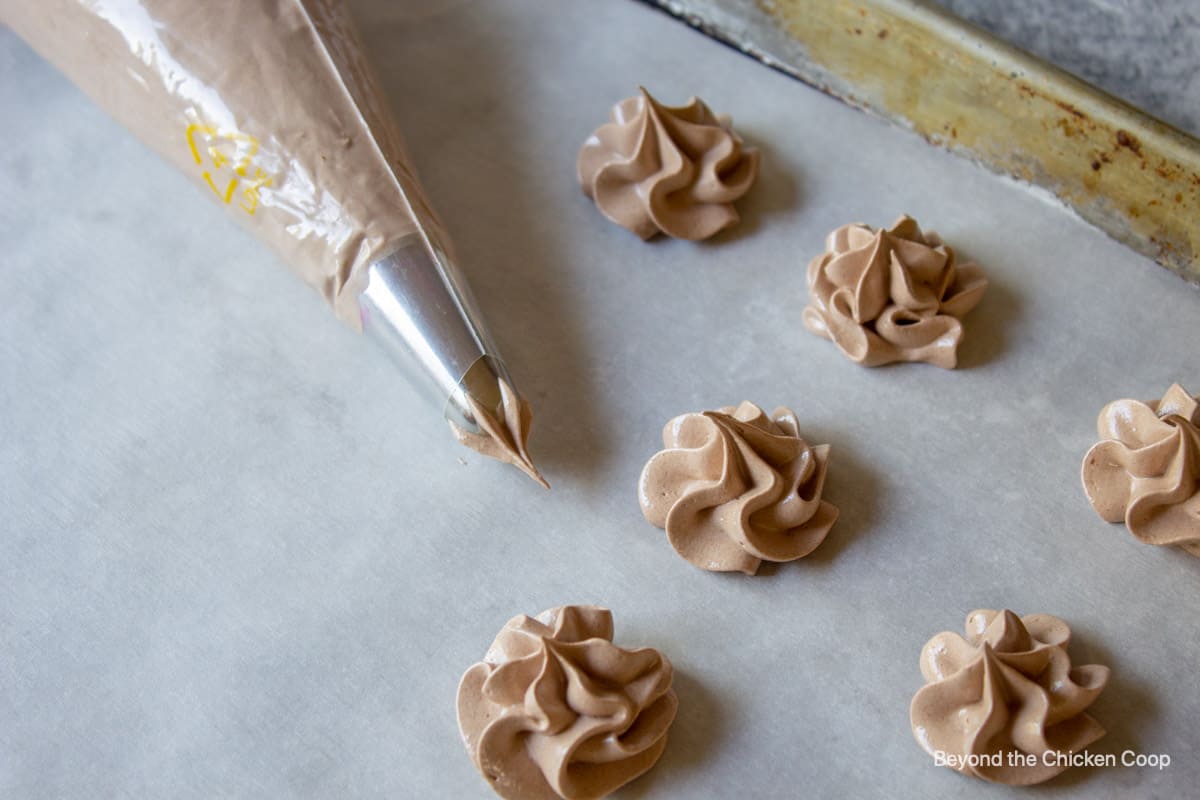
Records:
x=240, y=558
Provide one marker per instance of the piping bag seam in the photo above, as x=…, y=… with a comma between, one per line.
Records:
x=374, y=143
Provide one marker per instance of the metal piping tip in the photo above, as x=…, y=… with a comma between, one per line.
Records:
x=417, y=306
x=488, y=415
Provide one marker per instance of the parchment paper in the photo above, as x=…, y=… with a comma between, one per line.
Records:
x=240, y=558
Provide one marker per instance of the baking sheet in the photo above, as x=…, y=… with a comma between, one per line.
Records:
x=984, y=99
x=238, y=556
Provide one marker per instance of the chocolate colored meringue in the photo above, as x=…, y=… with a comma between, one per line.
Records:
x=1007, y=688
x=504, y=431
x=663, y=169
x=1146, y=471
x=891, y=295
x=735, y=488
x=556, y=710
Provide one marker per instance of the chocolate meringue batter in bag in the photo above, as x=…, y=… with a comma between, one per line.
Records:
x=268, y=105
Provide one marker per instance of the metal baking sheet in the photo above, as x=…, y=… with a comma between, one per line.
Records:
x=961, y=88
x=239, y=557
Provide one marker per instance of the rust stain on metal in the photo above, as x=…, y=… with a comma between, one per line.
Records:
x=962, y=89
x=1126, y=139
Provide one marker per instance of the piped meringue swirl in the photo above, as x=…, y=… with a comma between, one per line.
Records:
x=1008, y=687
x=891, y=295
x=556, y=710
x=663, y=169
x=734, y=488
x=1146, y=471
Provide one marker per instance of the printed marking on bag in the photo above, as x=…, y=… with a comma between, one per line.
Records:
x=228, y=159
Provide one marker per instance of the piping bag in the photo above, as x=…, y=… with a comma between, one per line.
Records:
x=272, y=109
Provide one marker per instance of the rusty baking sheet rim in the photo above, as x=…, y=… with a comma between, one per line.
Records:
x=1133, y=176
